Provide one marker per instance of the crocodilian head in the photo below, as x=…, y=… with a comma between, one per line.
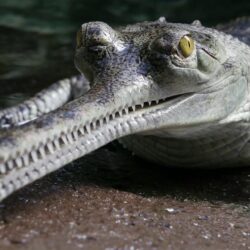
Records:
x=171, y=75
x=150, y=78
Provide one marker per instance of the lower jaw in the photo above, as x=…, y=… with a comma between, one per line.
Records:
x=18, y=177
x=77, y=145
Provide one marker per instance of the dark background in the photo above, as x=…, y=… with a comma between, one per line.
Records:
x=38, y=36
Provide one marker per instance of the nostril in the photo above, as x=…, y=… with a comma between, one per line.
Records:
x=99, y=33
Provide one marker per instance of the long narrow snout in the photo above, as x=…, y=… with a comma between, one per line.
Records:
x=42, y=146
x=109, y=110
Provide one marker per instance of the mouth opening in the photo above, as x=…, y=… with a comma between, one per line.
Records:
x=152, y=103
x=62, y=140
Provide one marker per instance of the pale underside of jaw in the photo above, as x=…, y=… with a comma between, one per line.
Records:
x=25, y=167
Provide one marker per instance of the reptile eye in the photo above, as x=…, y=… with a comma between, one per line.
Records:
x=186, y=46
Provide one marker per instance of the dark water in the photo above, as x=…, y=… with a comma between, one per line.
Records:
x=38, y=36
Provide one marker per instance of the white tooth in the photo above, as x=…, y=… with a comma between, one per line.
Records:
x=157, y=101
x=11, y=187
x=149, y=103
x=69, y=137
x=26, y=160
x=101, y=122
x=75, y=135
x=34, y=174
x=34, y=156
x=25, y=180
x=81, y=130
x=10, y=164
x=42, y=170
x=2, y=169
x=42, y=151
x=133, y=107
x=87, y=128
x=56, y=143
x=94, y=125
x=126, y=111
x=64, y=139
x=142, y=105
x=50, y=147
x=18, y=161
x=18, y=183
x=120, y=113
x=111, y=131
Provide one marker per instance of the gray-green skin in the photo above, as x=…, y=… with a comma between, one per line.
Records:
x=172, y=110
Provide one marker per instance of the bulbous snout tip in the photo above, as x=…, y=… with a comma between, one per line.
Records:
x=95, y=33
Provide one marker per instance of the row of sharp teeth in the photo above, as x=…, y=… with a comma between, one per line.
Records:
x=64, y=139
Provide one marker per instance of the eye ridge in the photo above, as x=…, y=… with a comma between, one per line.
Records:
x=186, y=46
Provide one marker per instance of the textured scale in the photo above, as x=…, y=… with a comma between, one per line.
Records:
x=222, y=147
x=174, y=94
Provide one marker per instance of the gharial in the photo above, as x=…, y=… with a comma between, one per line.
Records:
x=175, y=94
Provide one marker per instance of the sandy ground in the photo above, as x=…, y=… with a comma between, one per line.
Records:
x=113, y=200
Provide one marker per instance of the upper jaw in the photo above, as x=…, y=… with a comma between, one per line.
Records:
x=81, y=126
x=133, y=100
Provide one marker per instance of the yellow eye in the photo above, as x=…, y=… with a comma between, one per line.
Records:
x=186, y=46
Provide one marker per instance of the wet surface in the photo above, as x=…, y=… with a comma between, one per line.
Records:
x=113, y=200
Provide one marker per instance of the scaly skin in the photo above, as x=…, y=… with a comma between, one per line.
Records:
x=176, y=110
